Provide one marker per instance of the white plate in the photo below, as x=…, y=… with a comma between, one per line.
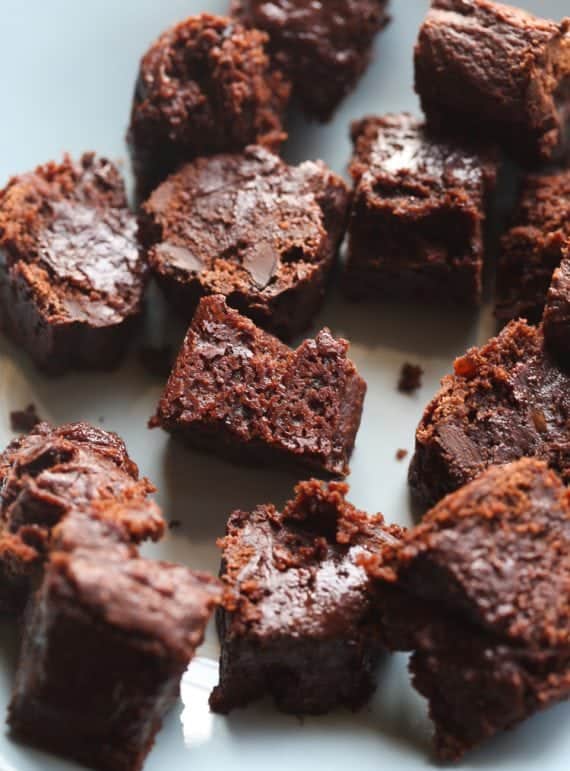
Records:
x=67, y=73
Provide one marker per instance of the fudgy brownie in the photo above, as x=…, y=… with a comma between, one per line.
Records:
x=499, y=68
x=505, y=400
x=416, y=222
x=532, y=248
x=249, y=227
x=556, y=322
x=46, y=473
x=240, y=392
x=205, y=86
x=107, y=638
x=71, y=277
x=324, y=46
x=301, y=625
x=479, y=592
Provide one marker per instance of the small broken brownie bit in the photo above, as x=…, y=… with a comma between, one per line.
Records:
x=107, y=638
x=71, y=277
x=479, y=592
x=499, y=67
x=22, y=421
x=505, y=400
x=556, y=321
x=205, y=86
x=301, y=624
x=415, y=230
x=410, y=379
x=263, y=234
x=240, y=392
x=323, y=47
x=46, y=473
x=532, y=249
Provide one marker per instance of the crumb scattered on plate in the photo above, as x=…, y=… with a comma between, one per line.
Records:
x=410, y=378
x=22, y=421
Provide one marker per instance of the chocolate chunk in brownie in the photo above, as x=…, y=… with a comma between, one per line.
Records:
x=479, y=592
x=22, y=421
x=238, y=391
x=505, y=400
x=107, y=638
x=71, y=278
x=419, y=205
x=324, y=47
x=532, y=249
x=301, y=625
x=249, y=227
x=46, y=473
x=410, y=378
x=205, y=86
x=499, y=68
x=556, y=323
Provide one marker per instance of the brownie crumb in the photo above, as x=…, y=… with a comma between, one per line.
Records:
x=174, y=524
x=157, y=360
x=401, y=454
x=22, y=421
x=410, y=378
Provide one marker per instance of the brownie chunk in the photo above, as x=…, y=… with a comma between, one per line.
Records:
x=419, y=205
x=240, y=392
x=324, y=47
x=479, y=592
x=249, y=227
x=71, y=278
x=499, y=68
x=301, y=626
x=505, y=400
x=107, y=638
x=532, y=248
x=46, y=473
x=205, y=86
x=556, y=322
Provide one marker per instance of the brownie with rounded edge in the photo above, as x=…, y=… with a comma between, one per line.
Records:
x=250, y=227
x=479, y=592
x=505, y=400
x=205, y=86
x=324, y=46
x=71, y=277
x=415, y=229
x=532, y=249
x=107, y=638
x=499, y=68
x=300, y=626
x=46, y=473
x=556, y=321
x=240, y=392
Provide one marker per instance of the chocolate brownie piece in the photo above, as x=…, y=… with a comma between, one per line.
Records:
x=556, y=323
x=205, y=86
x=324, y=47
x=249, y=227
x=505, y=400
x=416, y=223
x=71, y=278
x=532, y=248
x=497, y=67
x=479, y=592
x=107, y=638
x=240, y=392
x=46, y=473
x=301, y=624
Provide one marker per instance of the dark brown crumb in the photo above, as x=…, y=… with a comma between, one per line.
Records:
x=22, y=421
x=401, y=454
x=157, y=360
x=410, y=378
x=174, y=523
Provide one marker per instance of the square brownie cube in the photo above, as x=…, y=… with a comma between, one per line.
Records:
x=419, y=205
x=499, y=68
x=479, y=592
x=532, y=248
x=250, y=227
x=71, y=276
x=240, y=392
x=323, y=47
x=301, y=625
x=107, y=639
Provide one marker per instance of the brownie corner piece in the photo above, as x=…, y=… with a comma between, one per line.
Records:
x=477, y=592
x=240, y=392
x=300, y=626
x=271, y=252
x=419, y=203
x=506, y=69
x=71, y=276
